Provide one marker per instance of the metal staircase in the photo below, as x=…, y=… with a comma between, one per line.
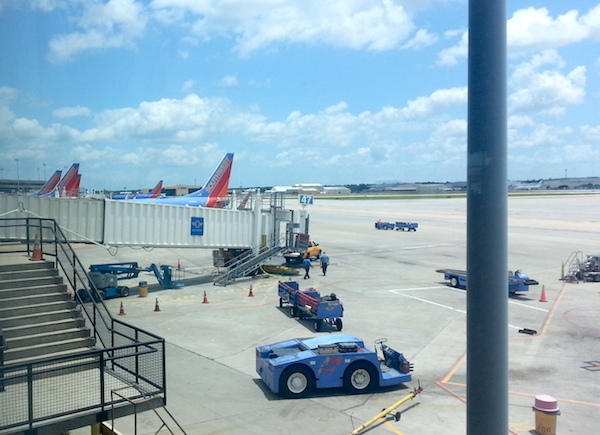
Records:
x=38, y=317
x=246, y=264
x=53, y=344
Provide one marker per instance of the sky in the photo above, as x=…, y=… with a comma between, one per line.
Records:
x=334, y=92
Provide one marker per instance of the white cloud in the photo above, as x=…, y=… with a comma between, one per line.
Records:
x=534, y=29
x=547, y=91
x=188, y=85
x=424, y=107
x=530, y=30
x=112, y=24
x=256, y=24
x=591, y=133
x=70, y=112
x=538, y=136
x=451, y=56
x=422, y=38
x=228, y=82
x=46, y=5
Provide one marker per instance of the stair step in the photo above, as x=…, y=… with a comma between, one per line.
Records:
x=26, y=274
x=33, y=290
x=47, y=338
x=6, y=313
x=31, y=300
x=33, y=265
x=40, y=328
x=8, y=322
x=28, y=282
x=47, y=350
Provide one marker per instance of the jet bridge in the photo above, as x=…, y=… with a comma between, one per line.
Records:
x=131, y=223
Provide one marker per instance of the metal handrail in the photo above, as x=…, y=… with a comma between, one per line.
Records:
x=131, y=354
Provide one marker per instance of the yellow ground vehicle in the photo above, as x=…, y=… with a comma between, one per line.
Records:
x=309, y=249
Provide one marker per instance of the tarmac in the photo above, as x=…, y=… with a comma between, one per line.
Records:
x=389, y=286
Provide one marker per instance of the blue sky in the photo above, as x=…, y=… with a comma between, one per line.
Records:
x=302, y=91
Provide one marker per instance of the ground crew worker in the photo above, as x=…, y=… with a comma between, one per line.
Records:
x=324, y=263
x=306, y=265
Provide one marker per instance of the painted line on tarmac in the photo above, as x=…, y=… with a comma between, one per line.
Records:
x=528, y=306
x=415, y=288
x=443, y=306
x=430, y=302
x=393, y=428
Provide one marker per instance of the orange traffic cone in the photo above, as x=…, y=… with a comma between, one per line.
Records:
x=250, y=294
x=37, y=250
x=205, y=300
x=543, y=297
x=178, y=264
x=156, y=307
x=121, y=310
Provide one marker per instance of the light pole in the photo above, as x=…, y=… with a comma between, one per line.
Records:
x=38, y=173
x=44, y=171
x=565, y=173
x=18, y=180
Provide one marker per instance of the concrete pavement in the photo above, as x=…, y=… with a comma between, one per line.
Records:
x=389, y=287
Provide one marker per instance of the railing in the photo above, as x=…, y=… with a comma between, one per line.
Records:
x=246, y=263
x=2, y=348
x=128, y=355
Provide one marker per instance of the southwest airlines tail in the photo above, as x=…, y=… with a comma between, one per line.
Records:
x=153, y=194
x=66, y=183
x=49, y=185
x=215, y=189
x=73, y=190
x=157, y=190
x=212, y=194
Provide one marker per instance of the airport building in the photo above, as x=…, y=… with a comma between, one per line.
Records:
x=21, y=186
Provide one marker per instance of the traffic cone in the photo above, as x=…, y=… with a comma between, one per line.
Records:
x=250, y=294
x=156, y=307
x=543, y=298
x=121, y=310
x=37, y=250
x=205, y=300
x=178, y=264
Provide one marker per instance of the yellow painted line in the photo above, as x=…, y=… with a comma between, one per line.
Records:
x=391, y=426
x=575, y=402
x=553, y=309
x=453, y=370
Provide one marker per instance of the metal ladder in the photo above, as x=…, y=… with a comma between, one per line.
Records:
x=141, y=399
x=244, y=265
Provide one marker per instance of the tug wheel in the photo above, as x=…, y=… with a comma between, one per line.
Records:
x=296, y=381
x=360, y=377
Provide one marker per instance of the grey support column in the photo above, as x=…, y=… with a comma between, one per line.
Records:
x=487, y=292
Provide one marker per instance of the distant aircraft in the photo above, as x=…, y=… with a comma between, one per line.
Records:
x=211, y=195
x=153, y=194
x=73, y=190
x=67, y=183
x=49, y=185
x=529, y=186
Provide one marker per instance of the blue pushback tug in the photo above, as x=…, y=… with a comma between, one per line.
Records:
x=296, y=367
x=517, y=280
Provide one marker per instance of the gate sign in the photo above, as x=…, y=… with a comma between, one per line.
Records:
x=197, y=228
x=306, y=199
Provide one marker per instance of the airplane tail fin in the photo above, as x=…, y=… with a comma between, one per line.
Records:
x=49, y=186
x=67, y=181
x=157, y=190
x=72, y=191
x=217, y=186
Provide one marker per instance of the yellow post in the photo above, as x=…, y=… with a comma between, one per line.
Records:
x=562, y=271
x=387, y=411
